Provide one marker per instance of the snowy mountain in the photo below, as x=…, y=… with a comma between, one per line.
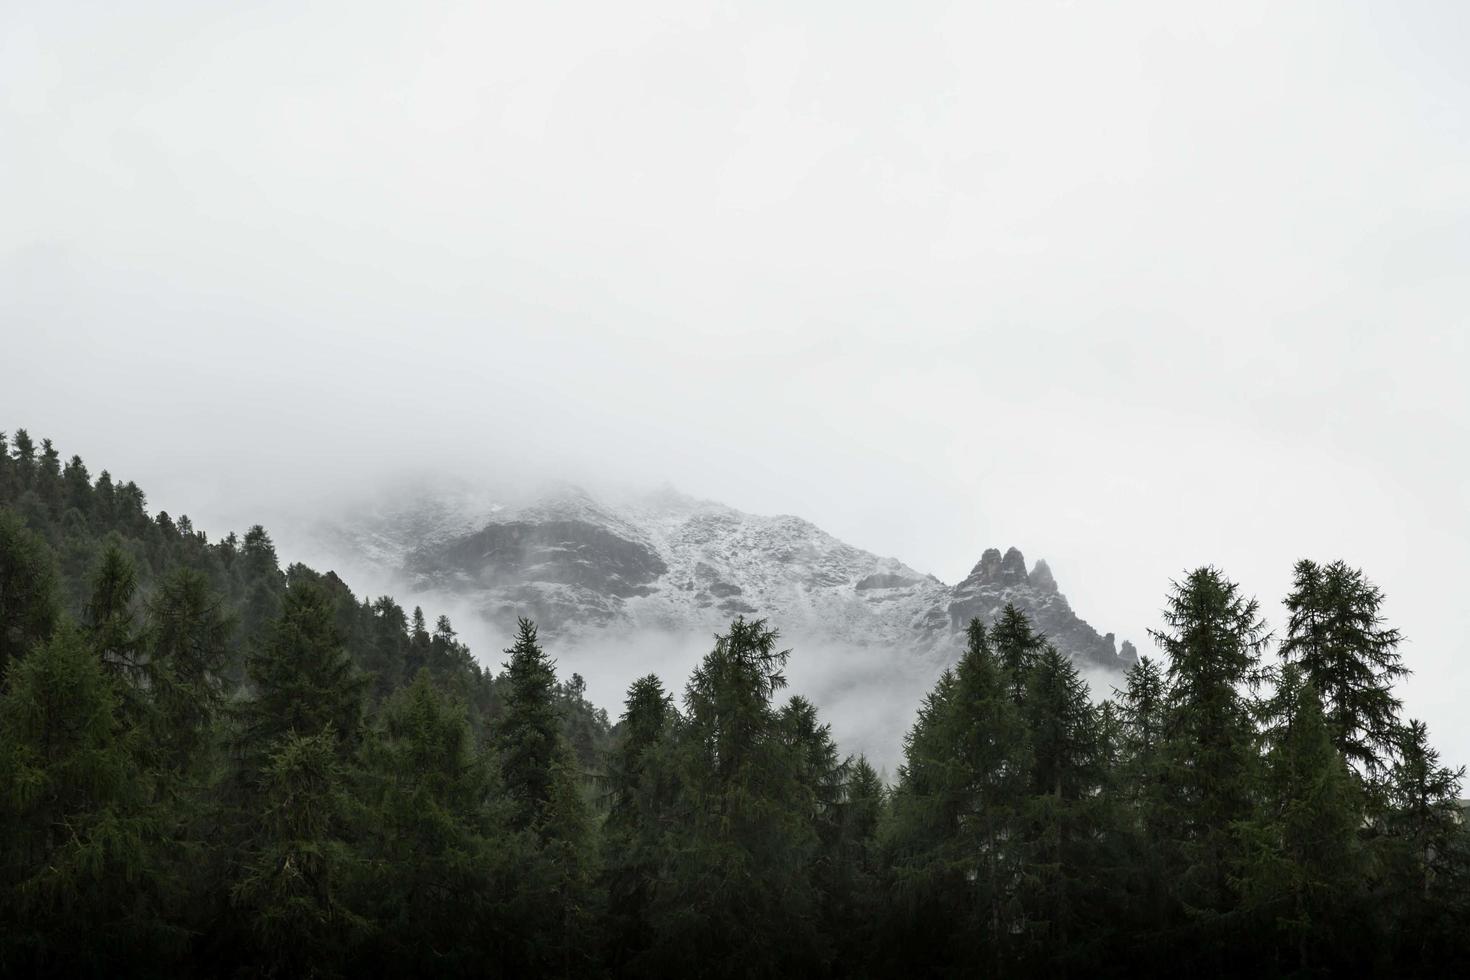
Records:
x=586, y=568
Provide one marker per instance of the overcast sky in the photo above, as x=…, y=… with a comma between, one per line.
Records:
x=1132, y=286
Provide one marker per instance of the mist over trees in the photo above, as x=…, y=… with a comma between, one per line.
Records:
x=213, y=765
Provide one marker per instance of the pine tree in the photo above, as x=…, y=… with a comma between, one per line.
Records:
x=188, y=640
x=385, y=654
x=78, y=485
x=736, y=898
x=1423, y=800
x=303, y=680
x=297, y=866
x=440, y=865
x=1304, y=865
x=540, y=780
x=1337, y=636
x=822, y=773
x=640, y=791
x=1213, y=639
x=110, y=620
x=1062, y=818
x=79, y=840
x=529, y=735
x=1017, y=646
x=29, y=601
x=1140, y=797
x=956, y=813
x=1428, y=857
x=25, y=458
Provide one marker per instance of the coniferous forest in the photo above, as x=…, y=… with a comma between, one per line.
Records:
x=211, y=765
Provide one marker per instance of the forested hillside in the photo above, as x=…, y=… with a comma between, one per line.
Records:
x=211, y=766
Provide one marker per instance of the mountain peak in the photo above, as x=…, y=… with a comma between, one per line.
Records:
x=581, y=565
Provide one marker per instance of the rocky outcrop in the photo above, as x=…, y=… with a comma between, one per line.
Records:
x=997, y=580
x=565, y=552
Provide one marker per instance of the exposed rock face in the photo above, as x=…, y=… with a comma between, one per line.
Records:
x=997, y=580
x=579, y=567
x=564, y=552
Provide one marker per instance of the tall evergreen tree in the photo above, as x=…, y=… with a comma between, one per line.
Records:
x=294, y=877
x=1017, y=646
x=188, y=639
x=1303, y=868
x=1213, y=638
x=539, y=778
x=110, y=618
x=737, y=898
x=30, y=603
x=1063, y=818
x=956, y=815
x=1424, y=806
x=303, y=681
x=79, y=840
x=640, y=791
x=1336, y=634
x=440, y=866
x=529, y=735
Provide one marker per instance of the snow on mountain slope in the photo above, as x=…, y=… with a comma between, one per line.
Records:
x=589, y=569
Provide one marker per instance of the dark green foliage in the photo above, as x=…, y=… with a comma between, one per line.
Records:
x=81, y=842
x=1303, y=868
x=292, y=880
x=640, y=804
x=228, y=769
x=956, y=816
x=734, y=893
x=29, y=604
x=303, y=681
x=438, y=875
x=1338, y=638
x=1428, y=855
x=187, y=641
x=528, y=735
x=1017, y=646
x=541, y=783
x=111, y=619
x=1062, y=886
x=1213, y=639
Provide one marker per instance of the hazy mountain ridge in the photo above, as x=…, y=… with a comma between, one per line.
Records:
x=583, y=566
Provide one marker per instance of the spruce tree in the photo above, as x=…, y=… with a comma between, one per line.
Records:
x=1017, y=646
x=528, y=737
x=30, y=603
x=110, y=616
x=1336, y=634
x=1424, y=811
x=1303, y=866
x=1428, y=856
x=1213, y=638
x=956, y=815
x=1063, y=817
x=188, y=641
x=539, y=778
x=737, y=897
x=294, y=877
x=79, y=839
x=302, y=679
x=640, y=803
x=438, y=879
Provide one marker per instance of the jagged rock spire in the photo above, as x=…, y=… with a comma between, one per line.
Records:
x=1013, y=567
x=1041, y=577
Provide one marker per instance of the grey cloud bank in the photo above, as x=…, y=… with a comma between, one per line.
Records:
x=1135, y=287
